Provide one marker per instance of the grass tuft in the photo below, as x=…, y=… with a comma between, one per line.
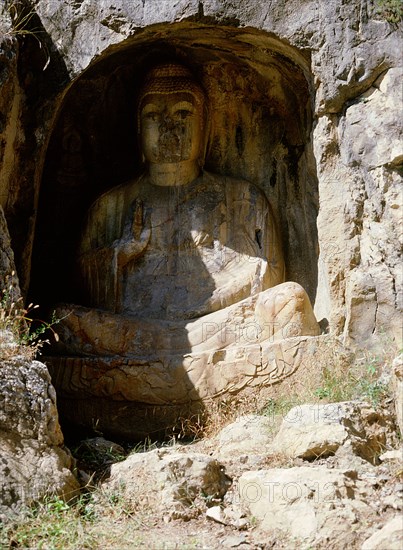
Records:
x=20, y=333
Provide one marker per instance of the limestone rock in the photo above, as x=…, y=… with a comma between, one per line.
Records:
x=397, y=374
x=394, y=455
x=390, y=536
x=9, y=280
x=360, y=258
x=249, y=434
x=34, y=462
x=166, y=480
x=10, y=105
x=215, y=513
x=314, y=431
x=301, y=502
x=233, y=541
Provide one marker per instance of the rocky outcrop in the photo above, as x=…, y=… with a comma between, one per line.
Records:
x=9, y=281
x=335, y=502
x=34, y=462
x=33, y=459
x=397, y=381
x=353, y=64
x=249, y=435
x=314, y=431
x=300, y=501
x=170, y=482
x=332, y=71
x=362, y=147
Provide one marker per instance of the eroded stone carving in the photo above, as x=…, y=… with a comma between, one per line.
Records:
x=183, y=270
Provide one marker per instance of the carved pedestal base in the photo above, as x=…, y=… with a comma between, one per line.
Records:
x=133, y=398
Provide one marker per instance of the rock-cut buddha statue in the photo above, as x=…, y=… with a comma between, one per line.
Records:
x=183, y=270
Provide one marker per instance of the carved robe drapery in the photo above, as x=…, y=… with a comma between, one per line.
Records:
x=211, y=243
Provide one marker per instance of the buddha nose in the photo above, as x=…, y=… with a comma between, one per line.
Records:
x=167, y=123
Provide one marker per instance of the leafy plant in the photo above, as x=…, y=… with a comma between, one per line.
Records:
x=391, y=10
x=369, y=385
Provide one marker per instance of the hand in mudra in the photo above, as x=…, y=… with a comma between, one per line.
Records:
x=135, y=241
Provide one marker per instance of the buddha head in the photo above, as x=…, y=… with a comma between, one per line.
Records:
x=171, y=117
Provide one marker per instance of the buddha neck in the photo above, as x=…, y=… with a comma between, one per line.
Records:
x=173, y=173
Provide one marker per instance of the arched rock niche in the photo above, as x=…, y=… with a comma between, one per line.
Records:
x=260, y=118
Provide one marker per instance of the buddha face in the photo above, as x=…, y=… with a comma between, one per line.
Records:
x=171, y=127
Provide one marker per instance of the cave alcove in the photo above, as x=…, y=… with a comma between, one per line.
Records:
x=260, y=123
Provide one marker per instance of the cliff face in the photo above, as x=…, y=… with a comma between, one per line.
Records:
x=341, y=61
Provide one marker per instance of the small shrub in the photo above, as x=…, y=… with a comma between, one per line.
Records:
x=390, y=10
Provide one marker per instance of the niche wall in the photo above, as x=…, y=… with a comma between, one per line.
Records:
x=260, y=122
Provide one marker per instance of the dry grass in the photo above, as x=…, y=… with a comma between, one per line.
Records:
x=96, y=520
x=20, y=333
x=106, y=518
x=330, y=374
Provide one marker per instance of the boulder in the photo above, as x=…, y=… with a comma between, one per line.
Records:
x=249, y=434
x=303, y=502
x=169, y=481
x=34, y=461
x=390, y=536
x=315, y=431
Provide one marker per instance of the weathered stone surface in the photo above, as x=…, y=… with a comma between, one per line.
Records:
x=33, y=461
x=161, y=390
x=249, y=434
x=9, y=281
x=168, y=481
x=351, y=47
x=394, y=455
x=365, y=153
x=10, y=104
x=390, y=536
x=397, y=381
x=314, y=431
x=300, y=501
x=345, y=164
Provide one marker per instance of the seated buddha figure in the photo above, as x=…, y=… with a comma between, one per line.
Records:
x=180, y=264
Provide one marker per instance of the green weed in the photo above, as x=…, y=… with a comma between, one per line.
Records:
x=390, y=10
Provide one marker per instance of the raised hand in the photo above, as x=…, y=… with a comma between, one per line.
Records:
x=133, y=243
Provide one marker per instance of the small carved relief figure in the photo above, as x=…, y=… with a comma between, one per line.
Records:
x=181, y=262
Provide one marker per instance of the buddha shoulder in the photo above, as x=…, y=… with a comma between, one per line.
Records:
x=235, y=188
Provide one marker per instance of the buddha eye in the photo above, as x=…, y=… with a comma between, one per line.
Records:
x=183, y=114
x=151, y=116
